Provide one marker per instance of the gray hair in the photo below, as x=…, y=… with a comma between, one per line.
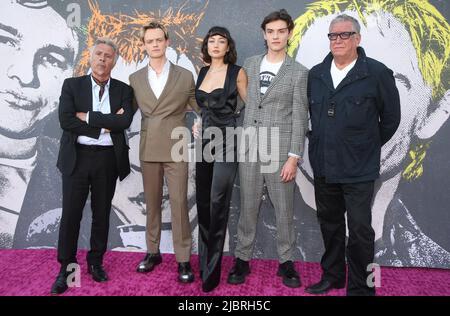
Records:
x=106, y=41
x=347, y=18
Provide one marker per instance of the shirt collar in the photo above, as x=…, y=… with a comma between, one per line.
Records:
x=165, y=69
x=349, y=66
x=94, y=84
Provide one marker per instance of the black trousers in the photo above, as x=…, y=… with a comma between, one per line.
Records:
x=95, y=171
x=214, y=187
x=332, y=201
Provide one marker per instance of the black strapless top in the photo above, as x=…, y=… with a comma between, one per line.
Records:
x=218, y=106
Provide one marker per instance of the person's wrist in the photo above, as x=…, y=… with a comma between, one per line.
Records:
x=293, y=160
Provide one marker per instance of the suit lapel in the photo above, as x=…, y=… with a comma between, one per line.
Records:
x=256, y=73
x=281, y=72
x=87, y=97
x=114, y=96
x=145, y=86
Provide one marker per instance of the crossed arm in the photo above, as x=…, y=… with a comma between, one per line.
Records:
x=67, y=114
x=76, y=122
x=114, y=122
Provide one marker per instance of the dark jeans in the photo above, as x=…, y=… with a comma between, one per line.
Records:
x=332, y=201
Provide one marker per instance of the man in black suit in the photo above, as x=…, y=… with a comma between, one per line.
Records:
x=94, y=111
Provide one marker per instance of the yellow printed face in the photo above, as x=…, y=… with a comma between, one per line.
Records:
x=385, y=39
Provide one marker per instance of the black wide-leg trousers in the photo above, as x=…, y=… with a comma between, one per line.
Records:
x=214, y=187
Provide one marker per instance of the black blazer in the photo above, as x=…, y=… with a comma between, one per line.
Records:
x=76, y=96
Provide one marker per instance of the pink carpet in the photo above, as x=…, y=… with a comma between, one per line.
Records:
x=31, y=272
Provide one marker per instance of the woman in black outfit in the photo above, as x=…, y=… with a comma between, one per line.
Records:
x=218, y=87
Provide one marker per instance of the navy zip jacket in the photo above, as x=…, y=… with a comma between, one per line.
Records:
x=349, y=124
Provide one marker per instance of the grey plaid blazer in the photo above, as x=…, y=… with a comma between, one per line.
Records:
x=284, y=105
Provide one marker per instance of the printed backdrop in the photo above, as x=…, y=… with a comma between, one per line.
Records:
x=44, y=42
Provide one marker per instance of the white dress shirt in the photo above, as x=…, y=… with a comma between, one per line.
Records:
x=339, y=74
x=103, y=106
x=158, y=83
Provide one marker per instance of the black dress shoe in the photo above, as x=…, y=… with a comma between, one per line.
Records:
x=97, y=272
x=150, y=261
x=323, y=287
x=185, y=274
x=208, y=287
x=60, y=284
x=289, y=274
x=239, y=271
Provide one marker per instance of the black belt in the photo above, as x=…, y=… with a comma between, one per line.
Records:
x=93, y=147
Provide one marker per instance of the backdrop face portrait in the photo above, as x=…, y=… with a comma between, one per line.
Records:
x=39, y=227
x=129, y=203
x=385, y=39
x=37, y=57
x=38, y=52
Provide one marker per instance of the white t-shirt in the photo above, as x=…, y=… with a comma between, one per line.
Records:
x=339, y=74
x=267, y=72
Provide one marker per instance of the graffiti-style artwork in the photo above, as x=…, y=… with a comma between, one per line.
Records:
x=125, y=30
x=39, y=49
x=412, y=38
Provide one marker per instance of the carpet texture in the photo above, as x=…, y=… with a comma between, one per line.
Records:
x=32, y=272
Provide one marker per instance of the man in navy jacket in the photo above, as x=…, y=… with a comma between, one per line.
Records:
x=354, y=109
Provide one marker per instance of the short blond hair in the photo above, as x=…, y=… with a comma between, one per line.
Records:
x=152, y=26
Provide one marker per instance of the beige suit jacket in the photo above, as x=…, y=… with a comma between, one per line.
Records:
x=160, y=116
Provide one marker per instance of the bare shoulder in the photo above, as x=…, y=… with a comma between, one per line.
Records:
x=242, y=79
x=242, y=73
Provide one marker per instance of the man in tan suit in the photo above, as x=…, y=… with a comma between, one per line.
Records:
x=163, y=92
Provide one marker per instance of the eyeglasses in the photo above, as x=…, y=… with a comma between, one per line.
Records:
x=343, y=35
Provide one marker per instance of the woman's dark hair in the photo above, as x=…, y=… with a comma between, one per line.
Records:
x=278, y=15
x=231, y=56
